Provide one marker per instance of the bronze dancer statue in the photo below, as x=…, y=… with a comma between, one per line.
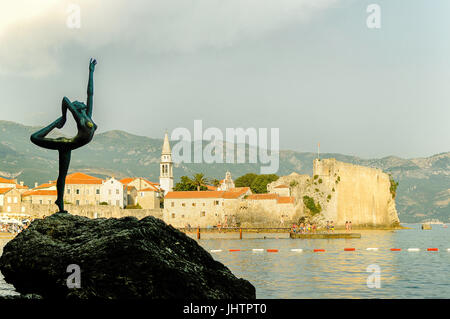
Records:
x=86, y=128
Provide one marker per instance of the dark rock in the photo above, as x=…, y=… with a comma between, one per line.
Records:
x=119, y=258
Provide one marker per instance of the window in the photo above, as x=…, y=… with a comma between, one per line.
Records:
x=98, y=191
x=9, y=209
x=183, y=204
x=68, y=191
x=77, y=202
x=172, y=204
x=117, y=191
x=77, y=192
x=216, y=202
x=202, y=214
x=9, y=200
x=15, y=200
x=142, y=194
x=40, y=201
x=193, y=204
x=173, y=215
x=49, y=202
x=23, y=209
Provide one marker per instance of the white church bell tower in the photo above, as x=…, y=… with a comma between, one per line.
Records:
x=166, y=167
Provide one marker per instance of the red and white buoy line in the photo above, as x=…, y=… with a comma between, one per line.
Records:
x=299, y=250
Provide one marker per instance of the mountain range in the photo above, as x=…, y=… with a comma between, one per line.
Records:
x=423, y=192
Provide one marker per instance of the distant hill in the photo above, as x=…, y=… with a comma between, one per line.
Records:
x=423, y=192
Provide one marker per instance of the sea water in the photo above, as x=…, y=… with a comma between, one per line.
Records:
x=334, y=273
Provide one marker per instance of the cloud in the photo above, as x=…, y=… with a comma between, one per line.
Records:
x=31, y=42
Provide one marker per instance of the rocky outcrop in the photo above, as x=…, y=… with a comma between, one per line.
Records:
x=118, y=258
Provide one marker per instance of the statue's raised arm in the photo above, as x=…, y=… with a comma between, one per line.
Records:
x=90, y=88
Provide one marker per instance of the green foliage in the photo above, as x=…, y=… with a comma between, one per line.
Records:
x=311, y=205
x=137, y=206
x=259, y=184
x=245, y=180
x=187, y=184
x=104, y=203
x=293, y=183
x=200, y=181
x=215, y=182
x=393, y=188
x=333, y=189
x=317, y=190
x=329, y=197
x=320, y=181
x=316, y=176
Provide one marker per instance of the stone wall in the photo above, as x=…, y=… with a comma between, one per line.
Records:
x=91, y=211
x=345, y=192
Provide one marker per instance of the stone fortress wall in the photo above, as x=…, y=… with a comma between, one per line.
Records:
x=345, y=192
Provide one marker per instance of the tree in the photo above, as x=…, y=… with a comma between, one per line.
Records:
x=245, y=180
x=215, y=182
x=188, y=184
x=393, y=187
x=199, y=181
x=259, y=184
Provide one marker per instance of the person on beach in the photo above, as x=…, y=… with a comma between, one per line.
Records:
x=346, y=226
x=332, y=227
x=328, y=226
x=82, y=114
x=350, y=225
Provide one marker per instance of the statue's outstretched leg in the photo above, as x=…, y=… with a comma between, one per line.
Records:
x=39, y=138
x=64, y=161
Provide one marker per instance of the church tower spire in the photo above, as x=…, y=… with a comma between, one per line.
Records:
x=166, y=167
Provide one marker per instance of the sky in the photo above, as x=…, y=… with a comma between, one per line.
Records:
x=311, y=68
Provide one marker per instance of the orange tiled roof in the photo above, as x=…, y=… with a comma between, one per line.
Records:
x=45, y=185
x=81, y=178
x=262, y=196
x=211, y=188
x=127, y=180
x=18, y=186
x=149, y=189
x=7, y=181
x=281, y=186
x=42, y=192
x=5, y=190
x=285, y=200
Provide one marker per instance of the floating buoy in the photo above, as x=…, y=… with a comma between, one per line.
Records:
x=235, y=250
x=372, y=249
x=272, y=250
x=216, y=250
x=448, y=249
x=299, y=250
x=349, y=249
x=395, y=249
x=319, y=250
x=413, y=249
x=433, y=249
x=257, y=249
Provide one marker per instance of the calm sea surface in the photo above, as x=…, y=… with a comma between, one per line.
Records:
x=334, y=273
